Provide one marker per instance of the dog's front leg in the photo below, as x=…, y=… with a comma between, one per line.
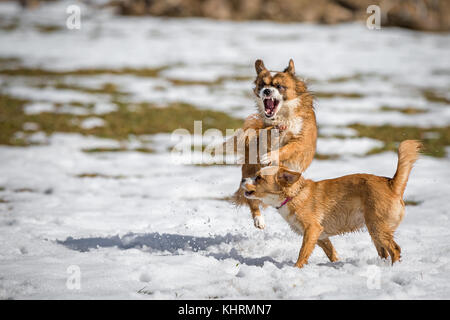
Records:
x=310, y=237
x=303, y=155
x=258, y=219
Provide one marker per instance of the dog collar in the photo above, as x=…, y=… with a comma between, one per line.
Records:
x=284, y=202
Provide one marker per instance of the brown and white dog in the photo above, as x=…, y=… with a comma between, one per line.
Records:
x=285, y=104
x=319, y=210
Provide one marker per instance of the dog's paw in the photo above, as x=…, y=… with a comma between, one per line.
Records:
x=259, y=222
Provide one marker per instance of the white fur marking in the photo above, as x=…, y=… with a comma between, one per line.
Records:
x=259, y=222
x=272, y=200
x=291, y=219
x=296, y=125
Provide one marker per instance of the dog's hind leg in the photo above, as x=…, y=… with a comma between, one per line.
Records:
x=328, y=248
x=392, y=247
x=382, y=253
x=397, y=251
x=384, y=242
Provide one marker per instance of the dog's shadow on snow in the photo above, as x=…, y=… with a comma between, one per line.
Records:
x=172, y=243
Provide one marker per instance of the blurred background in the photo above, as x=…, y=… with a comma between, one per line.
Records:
x=426, y=15
x=130, y=58
x=88, y=105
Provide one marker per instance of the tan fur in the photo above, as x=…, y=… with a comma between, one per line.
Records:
x=296, y=116
x=322, y=209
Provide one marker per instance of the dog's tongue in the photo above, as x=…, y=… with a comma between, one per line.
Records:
x=268, y=104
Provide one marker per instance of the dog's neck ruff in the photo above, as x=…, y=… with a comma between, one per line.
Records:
x=284, y=202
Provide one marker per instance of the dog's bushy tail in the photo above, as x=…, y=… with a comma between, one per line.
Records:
x=238, y=198
x=408, y=152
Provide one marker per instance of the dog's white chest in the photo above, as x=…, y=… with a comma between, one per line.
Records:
x=291, y=219
x=295, y=126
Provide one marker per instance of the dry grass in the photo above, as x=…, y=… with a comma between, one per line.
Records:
x=38, y=72
x=99, y=175
x=147, y=118
x=434, y=96
x=143, y=119
x=319, y=156
x=328, y=95
x=434, y=139
x=412, y=202
x=407, y=110
x=106, y=88
x=48, y=28
x=101, y=150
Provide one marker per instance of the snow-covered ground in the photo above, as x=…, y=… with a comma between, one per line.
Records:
x=141, y=226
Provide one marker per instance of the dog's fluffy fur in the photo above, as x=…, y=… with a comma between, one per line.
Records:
x=285, y=104
x=318, y=210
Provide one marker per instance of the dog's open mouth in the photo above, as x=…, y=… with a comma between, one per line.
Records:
x=248, y=193
x=270, y=107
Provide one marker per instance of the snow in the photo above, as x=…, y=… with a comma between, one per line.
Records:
x=347, y=146
x=141, y=226
x=92, y=122
x=38, y=107
x=162, y=228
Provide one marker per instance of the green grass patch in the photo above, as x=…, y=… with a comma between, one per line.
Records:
x=9, y=26
x=48, y=28
x=106, y=88
x=319, y=156
x=149, y=119
x=9, y=61
x=412, y=202
x=11, y=120
x=20, y=190
x=434, y=139
x=38, y=72
x=100, y=150
x=99, y=175
x=143, y=119
x=328, y=95
x=407, y=110
x=144, y=150
x=216, y=82
x=357, y=77
x=204, y=165
x=434, y=96
x=183, y=82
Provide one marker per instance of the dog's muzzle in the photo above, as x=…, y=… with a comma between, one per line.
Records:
x=248, y=186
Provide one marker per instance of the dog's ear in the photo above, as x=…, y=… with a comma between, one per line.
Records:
x=259, y=66
x=268, y=171
x=287, y=177
x=290, y=68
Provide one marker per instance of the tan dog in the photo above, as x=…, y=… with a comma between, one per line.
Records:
x=285, y=104
x=319, y=210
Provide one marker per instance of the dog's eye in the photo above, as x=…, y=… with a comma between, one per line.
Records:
x=258, y=178
x=280, y=87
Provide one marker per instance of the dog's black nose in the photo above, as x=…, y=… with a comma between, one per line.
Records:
x=267, y=92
